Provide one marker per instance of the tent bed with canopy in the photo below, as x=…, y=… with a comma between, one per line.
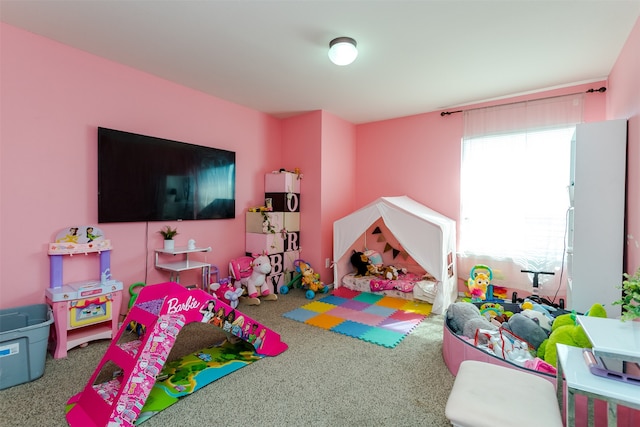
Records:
x=407, y=235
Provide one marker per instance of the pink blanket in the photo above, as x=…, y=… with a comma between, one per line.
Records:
x=404, y=283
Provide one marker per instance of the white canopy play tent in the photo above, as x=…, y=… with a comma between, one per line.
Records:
x=426, y=235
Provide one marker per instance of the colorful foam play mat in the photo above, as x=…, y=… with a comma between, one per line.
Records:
x=377, y=319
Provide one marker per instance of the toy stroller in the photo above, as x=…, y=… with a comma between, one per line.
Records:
x=306, y=279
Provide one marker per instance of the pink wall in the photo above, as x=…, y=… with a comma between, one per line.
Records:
x=53, y=99
x=624, y=103
x=339, y=182
x=323, y=146
x=301, y=148
x=417, y=156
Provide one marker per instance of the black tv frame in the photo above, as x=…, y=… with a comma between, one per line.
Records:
x=144, y=178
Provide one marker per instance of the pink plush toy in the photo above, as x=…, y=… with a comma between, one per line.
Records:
x=226, y=292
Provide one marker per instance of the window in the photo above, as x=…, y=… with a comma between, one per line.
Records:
x=514, y=194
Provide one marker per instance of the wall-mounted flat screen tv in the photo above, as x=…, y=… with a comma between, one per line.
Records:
x=144, y=178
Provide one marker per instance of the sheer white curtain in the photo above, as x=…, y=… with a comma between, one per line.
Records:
x=515, y=171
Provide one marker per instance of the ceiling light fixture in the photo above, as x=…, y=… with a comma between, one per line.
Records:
x=342, y=50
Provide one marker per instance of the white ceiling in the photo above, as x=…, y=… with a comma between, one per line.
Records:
x=414, y=56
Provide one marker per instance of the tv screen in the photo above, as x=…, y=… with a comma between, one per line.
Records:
x=143, y=178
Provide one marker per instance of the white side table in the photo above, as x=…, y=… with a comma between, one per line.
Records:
x=175, y=267
x=573, y=369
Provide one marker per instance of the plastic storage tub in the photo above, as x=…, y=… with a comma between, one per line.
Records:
x=24, y=335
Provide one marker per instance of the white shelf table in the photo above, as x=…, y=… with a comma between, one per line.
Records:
x=175, y=267
x=610, y=338
x=613, y=338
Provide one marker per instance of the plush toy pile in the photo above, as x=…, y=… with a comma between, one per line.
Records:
x=364, y=267
x=465, y=319
x=566, y=330
x=527, y=338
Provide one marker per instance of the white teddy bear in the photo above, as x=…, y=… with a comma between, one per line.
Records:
x=257, y=283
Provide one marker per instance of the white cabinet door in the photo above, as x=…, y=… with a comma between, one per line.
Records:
x=596, y=222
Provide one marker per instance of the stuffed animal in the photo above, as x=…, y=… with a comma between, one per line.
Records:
x=257, y=284
x=226, y=292
x=311, y=279
x=491, y=310
x=361, y=263
x=529, y=304
x=305, y=278
x=465, y=319
x=373, y=270
x=502, y=318
x=391, y=272
x=472, y=326
x=539, y=317
x=495, y=313
x=566, y=330
x=479, y=281
x=374, y=257
x=458, y=313
x=527, y=329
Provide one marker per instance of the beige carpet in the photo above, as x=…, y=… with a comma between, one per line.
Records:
x=323, y=379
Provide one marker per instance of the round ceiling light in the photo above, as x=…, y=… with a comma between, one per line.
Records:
x=342, y=50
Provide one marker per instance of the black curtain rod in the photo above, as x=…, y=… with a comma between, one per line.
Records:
x=601, y=90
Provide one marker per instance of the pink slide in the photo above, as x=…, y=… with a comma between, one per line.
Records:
x=163, y=309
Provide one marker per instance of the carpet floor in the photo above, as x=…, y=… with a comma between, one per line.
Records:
x=324, y=379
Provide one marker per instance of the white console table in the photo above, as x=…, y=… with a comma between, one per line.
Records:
x=175, y=267
x=613, y=338
x=610, y=338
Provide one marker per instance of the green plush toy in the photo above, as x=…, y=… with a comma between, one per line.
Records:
x=566, y=330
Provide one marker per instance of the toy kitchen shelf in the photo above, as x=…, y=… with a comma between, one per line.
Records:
x=175, y=267
x=83, y=311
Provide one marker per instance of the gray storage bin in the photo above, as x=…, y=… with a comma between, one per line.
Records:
x=24, y=335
